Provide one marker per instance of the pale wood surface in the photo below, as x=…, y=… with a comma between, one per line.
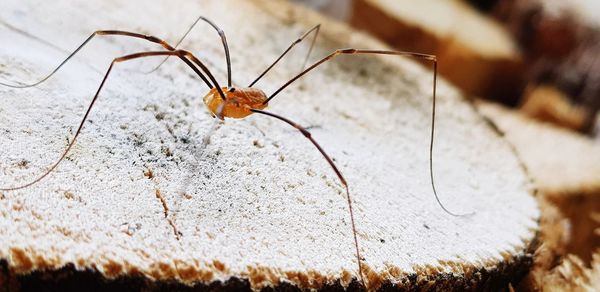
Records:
x=562, y=162
x=258, y=202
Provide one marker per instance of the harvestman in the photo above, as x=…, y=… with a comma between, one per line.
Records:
x=237, y=103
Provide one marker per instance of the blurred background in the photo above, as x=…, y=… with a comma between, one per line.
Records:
x=532, y=68
x=538, y=56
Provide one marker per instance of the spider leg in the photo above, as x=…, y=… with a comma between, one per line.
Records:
x=425, y=57
x=104, y=33
x=315, y=29
x=180, y=54
x=190, y=56
x=223, y=40
x=337, y=172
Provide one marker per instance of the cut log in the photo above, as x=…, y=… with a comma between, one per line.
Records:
x=560, y=161
x=549, y=104
x=143, y=202
x=560, y=40
x=565, y=167
x=475, y=52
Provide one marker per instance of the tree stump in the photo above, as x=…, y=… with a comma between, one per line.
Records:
x=143, y=202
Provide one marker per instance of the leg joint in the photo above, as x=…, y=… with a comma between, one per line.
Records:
x=346, y=51
x=152, y=39
x=304, y=131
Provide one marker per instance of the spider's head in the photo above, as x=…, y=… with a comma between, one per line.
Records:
x=237, y=104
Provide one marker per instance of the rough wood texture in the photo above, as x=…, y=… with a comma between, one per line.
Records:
x=141, y=200
x=554, y=237
x=475, y=52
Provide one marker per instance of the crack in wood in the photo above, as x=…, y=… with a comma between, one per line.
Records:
x=166, y=212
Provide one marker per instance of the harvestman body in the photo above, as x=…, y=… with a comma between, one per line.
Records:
x=237, y=103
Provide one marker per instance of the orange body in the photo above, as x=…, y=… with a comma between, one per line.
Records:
x=238, y=103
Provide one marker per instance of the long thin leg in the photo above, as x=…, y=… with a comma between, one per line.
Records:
x=315, y=29
x=181, y=54
x=104, y=33
x=223, y=40
x=205, y=69
x=337, y=172
x=426, y=57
